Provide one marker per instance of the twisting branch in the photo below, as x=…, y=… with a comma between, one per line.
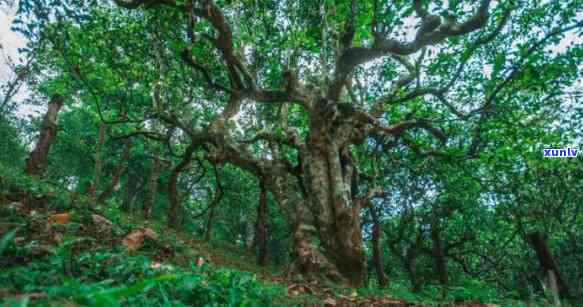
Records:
x=398, y=129
x=243, y=83
x=173, y=181
x=213, y=205
x=148, y=134
x=515, y=71
x=13, y=87
x=187, y=58
x=272, y=137
x=439, y=93
x=431, y=32
x=224, y=42
x=121, y=167
x=134, y=4
x=402, y=81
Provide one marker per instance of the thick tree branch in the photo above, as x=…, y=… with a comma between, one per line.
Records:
x=431, y=32
x=134, y=4
x=515, y=71
x=187, y=58
x=398, y=129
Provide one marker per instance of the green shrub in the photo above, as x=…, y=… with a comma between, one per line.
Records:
x=113, y=278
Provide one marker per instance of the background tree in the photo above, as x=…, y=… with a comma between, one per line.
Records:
x=332, y=104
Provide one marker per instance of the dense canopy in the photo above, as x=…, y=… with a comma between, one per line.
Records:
x=352, y=141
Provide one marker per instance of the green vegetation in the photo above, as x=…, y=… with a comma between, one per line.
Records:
x=291, y=153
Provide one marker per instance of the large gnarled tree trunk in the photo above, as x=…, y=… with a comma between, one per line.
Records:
x=328, y=179
x=316, y=194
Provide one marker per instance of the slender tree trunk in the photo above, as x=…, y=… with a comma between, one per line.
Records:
x=376, y=249
x=217, y=198
x=546, y=260
x=173, y=185
x=116, y=174
x=411, y=261
x=152, y=187
x=208, y=230
x=36, y=162
x=98, y=160
x=130, y=191
x=261, y=230
x=439, y=255
x=37, y=159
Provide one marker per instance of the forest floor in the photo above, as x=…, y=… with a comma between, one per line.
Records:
x=109, y=258
x=72, y=252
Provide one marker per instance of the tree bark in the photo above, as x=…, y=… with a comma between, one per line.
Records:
x=411, y=261
x=216, y=199
x=329, y=179
x=439, y=255
x=116, y=174
x=326, y=216
x=546, y=260
x=98, y=160
x=208, y=229
x=376, y=249
x=316, y=198
x=261, y=230
x=130, y=191
x=309, y=259
x=409, y=258
x=36, y=162
x=152, y=187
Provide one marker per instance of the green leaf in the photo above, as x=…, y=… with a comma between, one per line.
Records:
x=7, y=238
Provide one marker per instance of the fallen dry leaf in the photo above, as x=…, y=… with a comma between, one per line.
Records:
x=296, y=289
x=60, y=218
x=330, y=302
x=134, y=240
x=148, y=232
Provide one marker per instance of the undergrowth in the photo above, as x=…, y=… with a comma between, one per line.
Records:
x=80, y=264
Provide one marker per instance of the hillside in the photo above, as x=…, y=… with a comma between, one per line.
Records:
x=291, y=153
x=85, y=254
